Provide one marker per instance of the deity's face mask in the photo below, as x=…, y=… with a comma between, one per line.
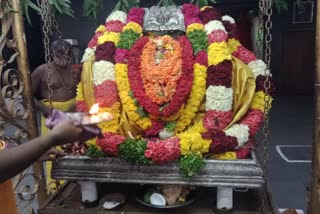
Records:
x=62, y=58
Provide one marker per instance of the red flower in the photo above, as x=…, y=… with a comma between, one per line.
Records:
x=244, y=152
x=105, y=52
x=220, y=74
x=163, y=152
x=154, y=130
x=202, y=58
x=253, y=119
x=209, y=14
x=190, y=10
x=220, y=141
x=217, y=36
x=82, y=106
x=136, y=15
x=191, y=20
x=244, y=55
x=260, y=85
x=109, y=143
x=232, y=29
x=121, y=56
x=114, y=26
x=94, y=41
x=216, y=120
x=106, y=94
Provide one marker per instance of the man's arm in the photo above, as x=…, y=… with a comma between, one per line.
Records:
x=36, y=87
x=16, y=159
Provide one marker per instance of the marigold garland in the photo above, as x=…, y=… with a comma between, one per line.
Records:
x=127, y=101
x=218, y=52
x=196, y=96
x=109, y=37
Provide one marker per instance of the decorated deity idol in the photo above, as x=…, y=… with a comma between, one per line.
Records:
x=179, y=85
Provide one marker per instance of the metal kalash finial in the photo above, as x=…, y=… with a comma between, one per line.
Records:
x=163, y=19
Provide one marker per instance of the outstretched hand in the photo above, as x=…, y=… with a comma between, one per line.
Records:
x=68, y=132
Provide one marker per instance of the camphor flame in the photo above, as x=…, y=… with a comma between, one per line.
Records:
x=94, y=109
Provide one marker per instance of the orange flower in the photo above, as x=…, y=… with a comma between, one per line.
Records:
x=161, y=68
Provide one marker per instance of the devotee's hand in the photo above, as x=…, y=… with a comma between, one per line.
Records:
x=51, y=155
x=68, y=132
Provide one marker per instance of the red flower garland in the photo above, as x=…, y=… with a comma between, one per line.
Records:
x=94, y=41
x=220, y=74
x=156, y=127
x=232, y=30
x=217, y=36
x=106, y=94
x=253, y=120
x=202, y=58
x=105, y=52
x=136, y=15
x=244, y=55
x=209, y=14
x=164, y=151
x=81, y=106
x=260, y=85
x=220, y=141
x=109, y=143
x=121, y=56
x=216, y=120
x=114, y=26
x=183, y=87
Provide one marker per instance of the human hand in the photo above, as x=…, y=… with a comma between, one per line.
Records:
x=51, y=155
x=68, y=132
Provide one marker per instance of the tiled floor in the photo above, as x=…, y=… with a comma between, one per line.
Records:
x=291, y=124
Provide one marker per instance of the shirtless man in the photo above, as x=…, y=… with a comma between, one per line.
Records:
x=63, y=80
x=63, y=85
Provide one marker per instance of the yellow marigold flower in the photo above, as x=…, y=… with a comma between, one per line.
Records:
x=197, y=93
x=233, y=44
x=258, y=101
x=192, y=141
x=133, y=26
x=127, y=102
x=218, y=52
x=91, y=142
x=225, y=156
x=195, y=26
x=79, y=96
x=101, y=29
x=113, y=125
x=109, y=37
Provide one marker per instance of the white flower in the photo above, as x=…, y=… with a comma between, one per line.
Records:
x=117, y=16
x=219, y=98
x=227, y=18
x=241, y=132
x=258, y=67
x=102, y=71
x=89, y=52
x=214, y=25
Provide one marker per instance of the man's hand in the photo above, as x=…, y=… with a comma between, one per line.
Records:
x=51, y=155
x=68, y=132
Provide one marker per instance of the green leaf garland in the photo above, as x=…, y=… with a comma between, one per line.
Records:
x=132, y=150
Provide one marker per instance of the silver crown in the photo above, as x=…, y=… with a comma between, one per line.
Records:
x=163, y=19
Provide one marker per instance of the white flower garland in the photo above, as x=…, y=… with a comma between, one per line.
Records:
x=258, y=67
x=102, y=71
x=240, y=131
x=227, y=18
x=219, y=98
x=214, y=25
x=88, y=53
x=117, y=16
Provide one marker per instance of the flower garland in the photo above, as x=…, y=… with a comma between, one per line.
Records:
x=206, y=56
x=183, y=86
